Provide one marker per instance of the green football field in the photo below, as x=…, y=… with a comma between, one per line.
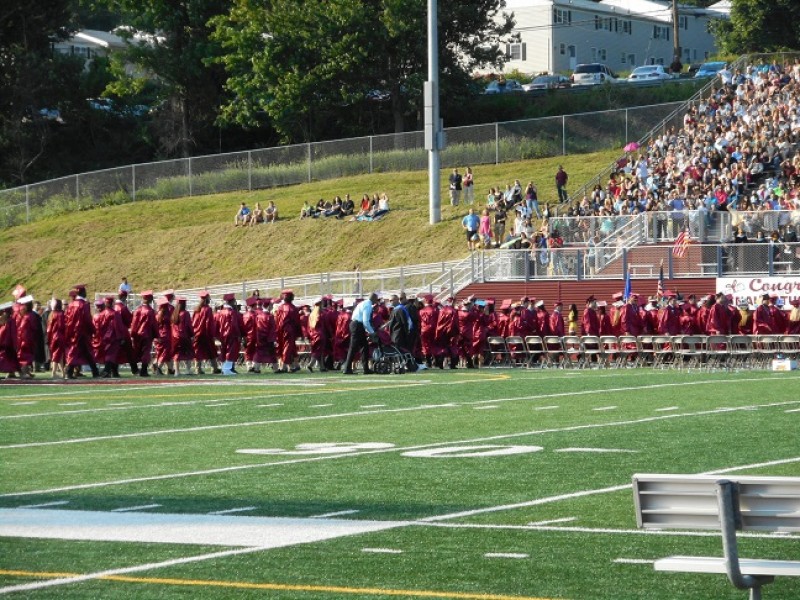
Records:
x=496, y=484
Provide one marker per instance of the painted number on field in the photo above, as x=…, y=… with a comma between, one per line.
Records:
x=472, y=451
x=326, y=448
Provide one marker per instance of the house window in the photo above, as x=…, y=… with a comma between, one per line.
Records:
x=683, y=22
x=622, y=58
x=562, y=16
x=627, y=27
x=602, y=54
x=598, y=22
x=562, y=48
x=660, y=32
x=687, y=54
x=631, y=59
x=594, y=54
x=516, y=52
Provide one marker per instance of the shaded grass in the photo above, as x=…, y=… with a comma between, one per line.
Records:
x=191, y=242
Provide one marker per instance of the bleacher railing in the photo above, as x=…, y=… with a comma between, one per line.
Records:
x=304, y=163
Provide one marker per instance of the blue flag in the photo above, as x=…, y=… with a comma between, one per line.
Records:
x=627, y=293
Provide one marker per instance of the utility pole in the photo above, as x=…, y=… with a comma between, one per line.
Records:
x=434, y=136
x=676, y=45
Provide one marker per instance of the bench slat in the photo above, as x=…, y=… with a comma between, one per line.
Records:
x=713, y=564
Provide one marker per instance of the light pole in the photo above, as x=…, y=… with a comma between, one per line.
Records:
x=434, y=136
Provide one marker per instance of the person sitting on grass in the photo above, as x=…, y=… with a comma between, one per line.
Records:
x=348, y=206
x=257, y=216
x=308, y=211
x=271, y=213
x=243, y=216
x=335, y=209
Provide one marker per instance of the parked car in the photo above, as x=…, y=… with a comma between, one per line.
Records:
x=547, y=82
x=503, y=86
x=108, y=105
x=593, y=74
x=649, y=73
x=710, y=69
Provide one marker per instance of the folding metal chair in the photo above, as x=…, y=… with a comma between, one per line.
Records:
x=590, y=347
x=717, y=351
x=662, y=351
x=609, y=350
x=691, y=351
x=790, y=346
x=628, y=351
x=573, y=351
x=766, y=348
x=498, y=352
x=741, y=352
x=646, y=352
x=517, y=351
x=536, y=351
x=554, y=350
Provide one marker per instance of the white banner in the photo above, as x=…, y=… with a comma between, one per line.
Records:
x=751, y=289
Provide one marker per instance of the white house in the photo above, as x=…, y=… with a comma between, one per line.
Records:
x=90, y=43
x=557, y=35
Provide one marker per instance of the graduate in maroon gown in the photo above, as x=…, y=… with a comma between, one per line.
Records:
x=265, y=335
x=590, y=324
x=27, y=330
x=163, y=341
x=762, y=319
x=606, y=328
x=182, y=334
x=287, y=322
x=229, y=334
x=125, y=354
x=793, y=321
x=329, y=316
x=250, y=334
x=8, y=340
x=557, y=320
x=447, y=334
x=112, y=334
x=56, y=339
x=428, y=321
x=205, y=331
x=317, y=337
x=466, y=329
x=342, y=341
x=79, y=330
x=630, y=321
x=98, y=351
x=144, y=330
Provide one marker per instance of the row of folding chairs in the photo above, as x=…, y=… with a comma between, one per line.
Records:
x=708, y=352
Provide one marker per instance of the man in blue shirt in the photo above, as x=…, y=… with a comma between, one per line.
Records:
x=360, y=327
x=470, y=224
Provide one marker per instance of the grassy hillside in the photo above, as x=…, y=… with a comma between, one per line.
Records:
x=191, y=242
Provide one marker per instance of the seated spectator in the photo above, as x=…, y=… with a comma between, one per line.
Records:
x=257, y=216
x=321, y=207
x=271, y=213
x=242, y=216
x=308, y=211
x=382, y=208
x=335, y=209
x=348, y=206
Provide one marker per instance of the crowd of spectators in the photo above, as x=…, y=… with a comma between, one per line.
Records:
x=736, y=152
x=369, y=209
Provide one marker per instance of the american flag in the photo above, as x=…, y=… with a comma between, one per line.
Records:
x=660, y=288
x=681, y=245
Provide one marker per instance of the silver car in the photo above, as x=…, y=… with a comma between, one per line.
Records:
x=593, y=74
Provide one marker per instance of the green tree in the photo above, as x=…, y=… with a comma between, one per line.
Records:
x=760, y=26
x=169, y=43
x=300, y=64
x=32, y=78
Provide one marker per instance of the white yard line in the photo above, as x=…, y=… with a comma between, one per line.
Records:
x=551, y=521
x=517, y=555
x=606, y=408
x=233, y=511
x=667, y=409
x=136, y=508
x=633, y=561
x=46, y=504
x=598, y=450
x=382, y=550
x=30, y=403
x=340, y=513
x=231, y=469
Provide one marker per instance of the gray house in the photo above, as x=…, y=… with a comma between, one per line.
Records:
x=557, y=35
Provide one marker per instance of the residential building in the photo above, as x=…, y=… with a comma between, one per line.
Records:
x=557, y=35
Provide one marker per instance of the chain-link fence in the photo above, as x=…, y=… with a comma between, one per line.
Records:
x=272, y=167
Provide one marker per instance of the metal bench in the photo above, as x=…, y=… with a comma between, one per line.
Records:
x=728, y=504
